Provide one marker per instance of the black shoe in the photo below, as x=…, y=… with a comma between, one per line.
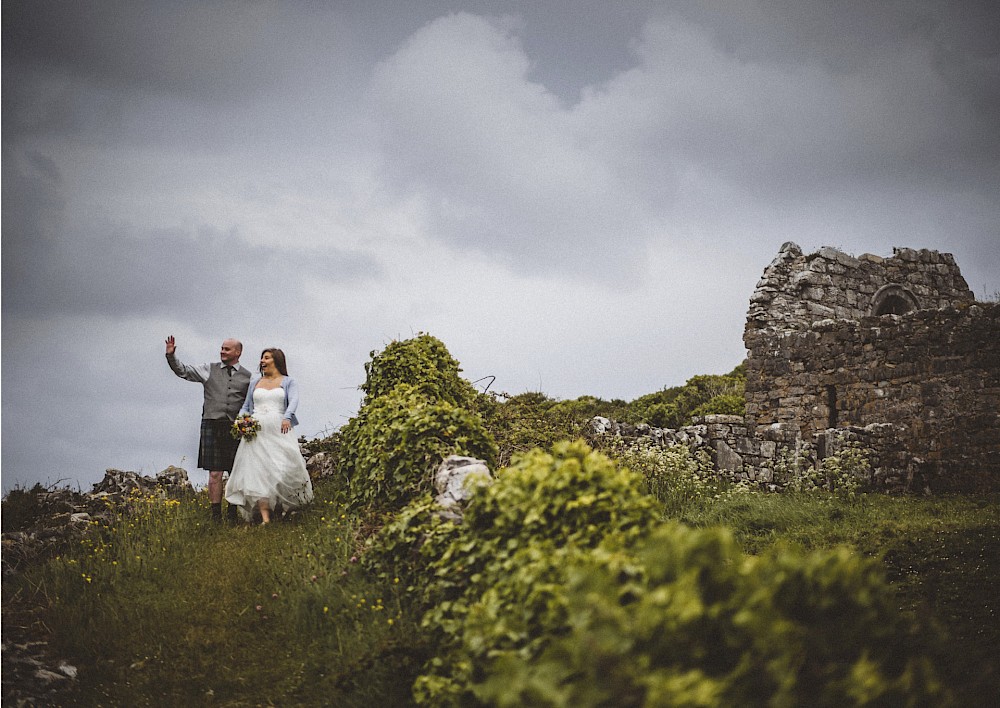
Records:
x=231, y=515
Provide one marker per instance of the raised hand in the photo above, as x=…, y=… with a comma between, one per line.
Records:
x=171, y=344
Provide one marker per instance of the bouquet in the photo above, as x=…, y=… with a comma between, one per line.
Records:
x=245, y=427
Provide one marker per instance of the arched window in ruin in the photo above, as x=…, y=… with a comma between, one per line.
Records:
x=893, y=300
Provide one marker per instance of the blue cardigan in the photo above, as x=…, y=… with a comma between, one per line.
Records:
x=291, y=397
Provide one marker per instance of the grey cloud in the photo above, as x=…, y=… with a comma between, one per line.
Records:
x=494, y=156
x=193, y=71
x=170, y=47
x=863, y=40
x=55, y=265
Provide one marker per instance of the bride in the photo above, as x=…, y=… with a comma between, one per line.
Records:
x=269, y=470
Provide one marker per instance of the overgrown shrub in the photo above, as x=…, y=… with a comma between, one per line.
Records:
x=390, y=450
x=405, y=548
x=700, y=395
x=688, y=619
x=497, y=582
x=527, y=421
x=723, y=404
x=422, y=362
x=23, y=507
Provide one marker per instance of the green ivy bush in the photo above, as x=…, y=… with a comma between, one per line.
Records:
x=407, y=545
x=422, y=362
x=497, y=583
x=391, y=449
x=562, y=588
x=686, y=618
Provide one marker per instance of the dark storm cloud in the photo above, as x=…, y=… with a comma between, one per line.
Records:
x=53, y=264
x=207, y=49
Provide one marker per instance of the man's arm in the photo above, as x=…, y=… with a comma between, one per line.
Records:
x=191, y=373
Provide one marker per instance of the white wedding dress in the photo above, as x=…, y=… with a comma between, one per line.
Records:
x=270, y=466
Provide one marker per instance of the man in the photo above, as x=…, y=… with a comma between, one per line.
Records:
x=226, y=385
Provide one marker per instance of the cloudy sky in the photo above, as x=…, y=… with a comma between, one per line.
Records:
x=576, y=197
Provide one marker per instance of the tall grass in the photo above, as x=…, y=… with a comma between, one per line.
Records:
x=168, y=608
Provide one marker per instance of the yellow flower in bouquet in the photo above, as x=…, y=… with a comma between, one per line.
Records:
x=245, y=427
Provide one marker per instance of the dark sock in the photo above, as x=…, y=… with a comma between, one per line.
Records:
x=217, y=510
x=231, y=512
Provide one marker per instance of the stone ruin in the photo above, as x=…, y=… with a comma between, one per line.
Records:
x=893, y=355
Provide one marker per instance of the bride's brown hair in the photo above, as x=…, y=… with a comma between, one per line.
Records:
x=279, y=360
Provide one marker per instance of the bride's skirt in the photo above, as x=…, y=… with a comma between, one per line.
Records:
x=269, y=467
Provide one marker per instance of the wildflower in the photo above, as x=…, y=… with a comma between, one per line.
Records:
x=274, y=596
x=325, y=609
x=259, y=608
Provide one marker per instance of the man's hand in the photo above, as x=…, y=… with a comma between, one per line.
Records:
x=171, y=345
x=286, y=425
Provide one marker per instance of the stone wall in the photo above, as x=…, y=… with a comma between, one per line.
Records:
x=771, y=457
x=820, y=358
x=797, y=290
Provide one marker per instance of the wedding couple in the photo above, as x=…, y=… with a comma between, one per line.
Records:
x=266, y=472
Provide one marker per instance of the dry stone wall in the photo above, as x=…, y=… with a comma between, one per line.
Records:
x=772, y=458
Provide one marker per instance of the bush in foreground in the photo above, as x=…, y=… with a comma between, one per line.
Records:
x=562, y=588
x=688, y=619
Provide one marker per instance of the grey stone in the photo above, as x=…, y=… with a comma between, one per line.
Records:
x=457, y=479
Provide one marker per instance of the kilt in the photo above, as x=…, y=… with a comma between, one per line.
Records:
x=217, y=448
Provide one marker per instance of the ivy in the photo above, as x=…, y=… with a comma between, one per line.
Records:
x=497, y=582
x=687, y=619
x=417, y=411
x=422, y=362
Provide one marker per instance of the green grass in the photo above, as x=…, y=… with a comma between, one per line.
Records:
x=162, y=609
x=171, y=609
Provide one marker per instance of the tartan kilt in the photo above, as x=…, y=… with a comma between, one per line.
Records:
x=217, y=447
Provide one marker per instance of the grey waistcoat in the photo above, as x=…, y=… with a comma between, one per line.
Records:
x=224, y=394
